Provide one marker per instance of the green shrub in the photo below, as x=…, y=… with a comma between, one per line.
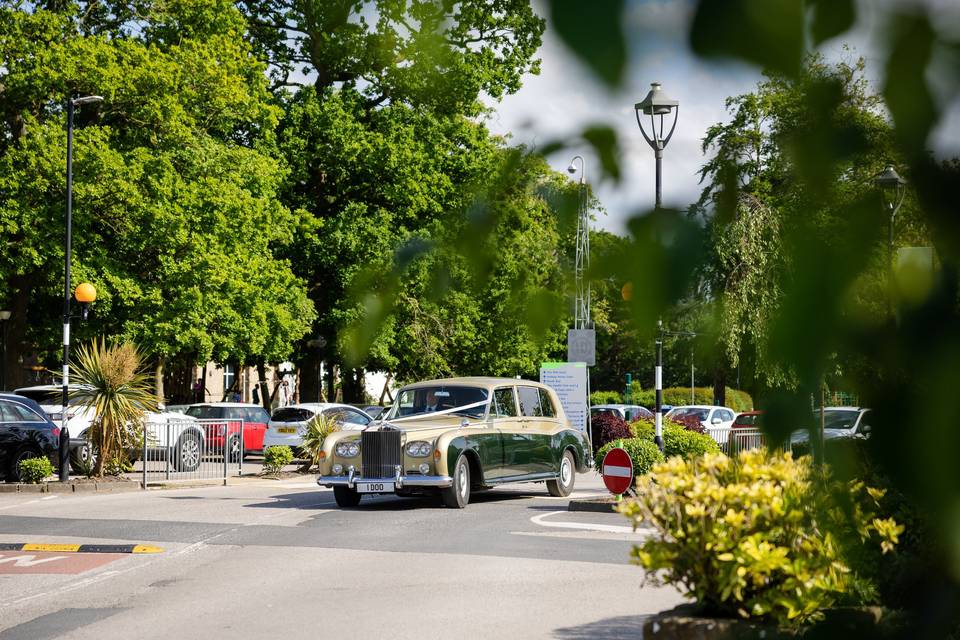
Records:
x=314, y=435
x=276, y=458
x=34, y=470
x=643, y=453
x=677, y=396
x=605, y=397
x=677, y=440
x=758, y=537
x=117, y=466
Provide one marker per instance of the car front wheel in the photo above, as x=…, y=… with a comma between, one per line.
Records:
x=346, y=497
x=457, y=495
x=563, y=485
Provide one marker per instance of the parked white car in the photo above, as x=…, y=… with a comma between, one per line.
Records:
x=50, y=399
x=716, y=420
x=288, y=423
x=838, y=423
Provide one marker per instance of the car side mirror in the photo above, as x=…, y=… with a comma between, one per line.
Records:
x=716, y=420
x=865, y=429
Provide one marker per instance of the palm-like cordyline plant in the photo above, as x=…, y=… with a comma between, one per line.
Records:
x=316, y=431
x=112, y=382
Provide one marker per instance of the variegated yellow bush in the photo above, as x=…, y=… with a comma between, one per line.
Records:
x=758, y=536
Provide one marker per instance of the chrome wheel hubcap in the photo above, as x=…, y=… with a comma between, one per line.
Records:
x=190, y=452
x=462, y=480
x=565, y=472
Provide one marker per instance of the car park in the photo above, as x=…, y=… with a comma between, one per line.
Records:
x=79, y=418
x=25, y=432
x=454, y=437
x=287, y=424
x=222, y=425
x=628, y=412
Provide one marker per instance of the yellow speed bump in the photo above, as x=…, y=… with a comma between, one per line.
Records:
x=80, y=548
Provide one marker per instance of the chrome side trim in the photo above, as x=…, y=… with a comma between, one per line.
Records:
x=400, y=481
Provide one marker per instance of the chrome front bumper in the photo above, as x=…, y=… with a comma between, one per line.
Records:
x=399, y=481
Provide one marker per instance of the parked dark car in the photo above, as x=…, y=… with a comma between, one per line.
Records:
x=749, y=420
x=25, y=432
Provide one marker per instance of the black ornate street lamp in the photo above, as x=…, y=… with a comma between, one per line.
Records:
x=64, y=470
x=892, y=188
x=658, y=106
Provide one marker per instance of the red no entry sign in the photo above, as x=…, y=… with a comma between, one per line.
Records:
x=617, y=470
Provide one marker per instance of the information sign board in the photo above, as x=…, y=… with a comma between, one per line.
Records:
x=569, y=380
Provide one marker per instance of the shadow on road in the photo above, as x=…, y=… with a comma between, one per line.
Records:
x=621, y=627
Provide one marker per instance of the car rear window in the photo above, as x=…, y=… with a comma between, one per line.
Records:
x=292, y=414
x=206, y=412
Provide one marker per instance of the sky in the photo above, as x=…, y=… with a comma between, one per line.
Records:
x=564, y=98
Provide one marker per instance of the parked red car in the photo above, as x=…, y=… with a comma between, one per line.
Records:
x=748, y=420
x=253, y=417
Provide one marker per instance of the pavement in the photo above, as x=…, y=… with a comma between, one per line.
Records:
x=278, y=558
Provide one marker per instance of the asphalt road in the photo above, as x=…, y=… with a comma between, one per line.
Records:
x=279, y=559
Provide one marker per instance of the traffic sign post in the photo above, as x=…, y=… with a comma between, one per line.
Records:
x=617, y=471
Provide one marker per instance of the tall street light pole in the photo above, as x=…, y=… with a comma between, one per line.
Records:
x=64, y=470
x=657, y=105
x=892, y=190
x=4, y=316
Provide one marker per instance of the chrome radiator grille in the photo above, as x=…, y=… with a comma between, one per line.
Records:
x=380, y=453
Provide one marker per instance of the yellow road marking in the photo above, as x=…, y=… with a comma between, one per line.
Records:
x=51, y=547
x=145, y=548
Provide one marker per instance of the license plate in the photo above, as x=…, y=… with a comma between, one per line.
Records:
x=375, y=487
x=286, y=430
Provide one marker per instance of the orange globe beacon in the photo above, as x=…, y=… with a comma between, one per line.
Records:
x=626, y=292
x=85, y=292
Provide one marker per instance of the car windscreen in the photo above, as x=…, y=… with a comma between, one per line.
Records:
x=837, y=419
x=45, y=396
x=292, y=414
x=455, y=400
x=206, y=412
x=699, y=414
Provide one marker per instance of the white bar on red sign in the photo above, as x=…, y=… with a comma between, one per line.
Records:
x=616, y=472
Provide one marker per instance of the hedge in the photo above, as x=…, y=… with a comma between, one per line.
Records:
x=606, y=397
x=608, y=427
x=643, y=453
x=735, y=399
x=677, y=440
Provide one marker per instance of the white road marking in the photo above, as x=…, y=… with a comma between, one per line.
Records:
x=584, y=526
x=50, y=498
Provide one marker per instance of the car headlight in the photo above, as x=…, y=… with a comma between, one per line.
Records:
x=419, y=449
x=348, y=449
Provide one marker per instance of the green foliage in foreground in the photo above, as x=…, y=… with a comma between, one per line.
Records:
x=34, y=470
x=276, y=458
x=759, y=537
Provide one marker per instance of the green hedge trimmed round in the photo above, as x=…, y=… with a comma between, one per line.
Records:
x=643, y=453
x=677, y=441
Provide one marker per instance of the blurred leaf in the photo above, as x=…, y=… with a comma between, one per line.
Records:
x=543, y=309
x=831, y=18
x=908, y=96
x=603, y=139
x=768, y=33
x=593, y=32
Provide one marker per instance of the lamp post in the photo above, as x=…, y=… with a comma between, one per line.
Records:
x=892, y=188
x=4, y=316
x=657, y=103
x=72, y=104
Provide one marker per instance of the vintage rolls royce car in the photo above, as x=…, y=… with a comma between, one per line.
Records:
x=456, y=436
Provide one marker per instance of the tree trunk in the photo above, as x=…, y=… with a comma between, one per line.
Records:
x=311, y=384
x=262, y=383
x=332, y=371
x=158, y=380
x=720, y=386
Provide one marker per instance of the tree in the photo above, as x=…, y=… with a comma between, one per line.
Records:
x=176, y=193
x=378, y=134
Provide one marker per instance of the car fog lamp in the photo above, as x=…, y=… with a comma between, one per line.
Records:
x=419, y=449
x=424, y=468
x=337, y=469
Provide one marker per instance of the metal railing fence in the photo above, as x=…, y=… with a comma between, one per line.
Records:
x=180, y=450
x=732, y=441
